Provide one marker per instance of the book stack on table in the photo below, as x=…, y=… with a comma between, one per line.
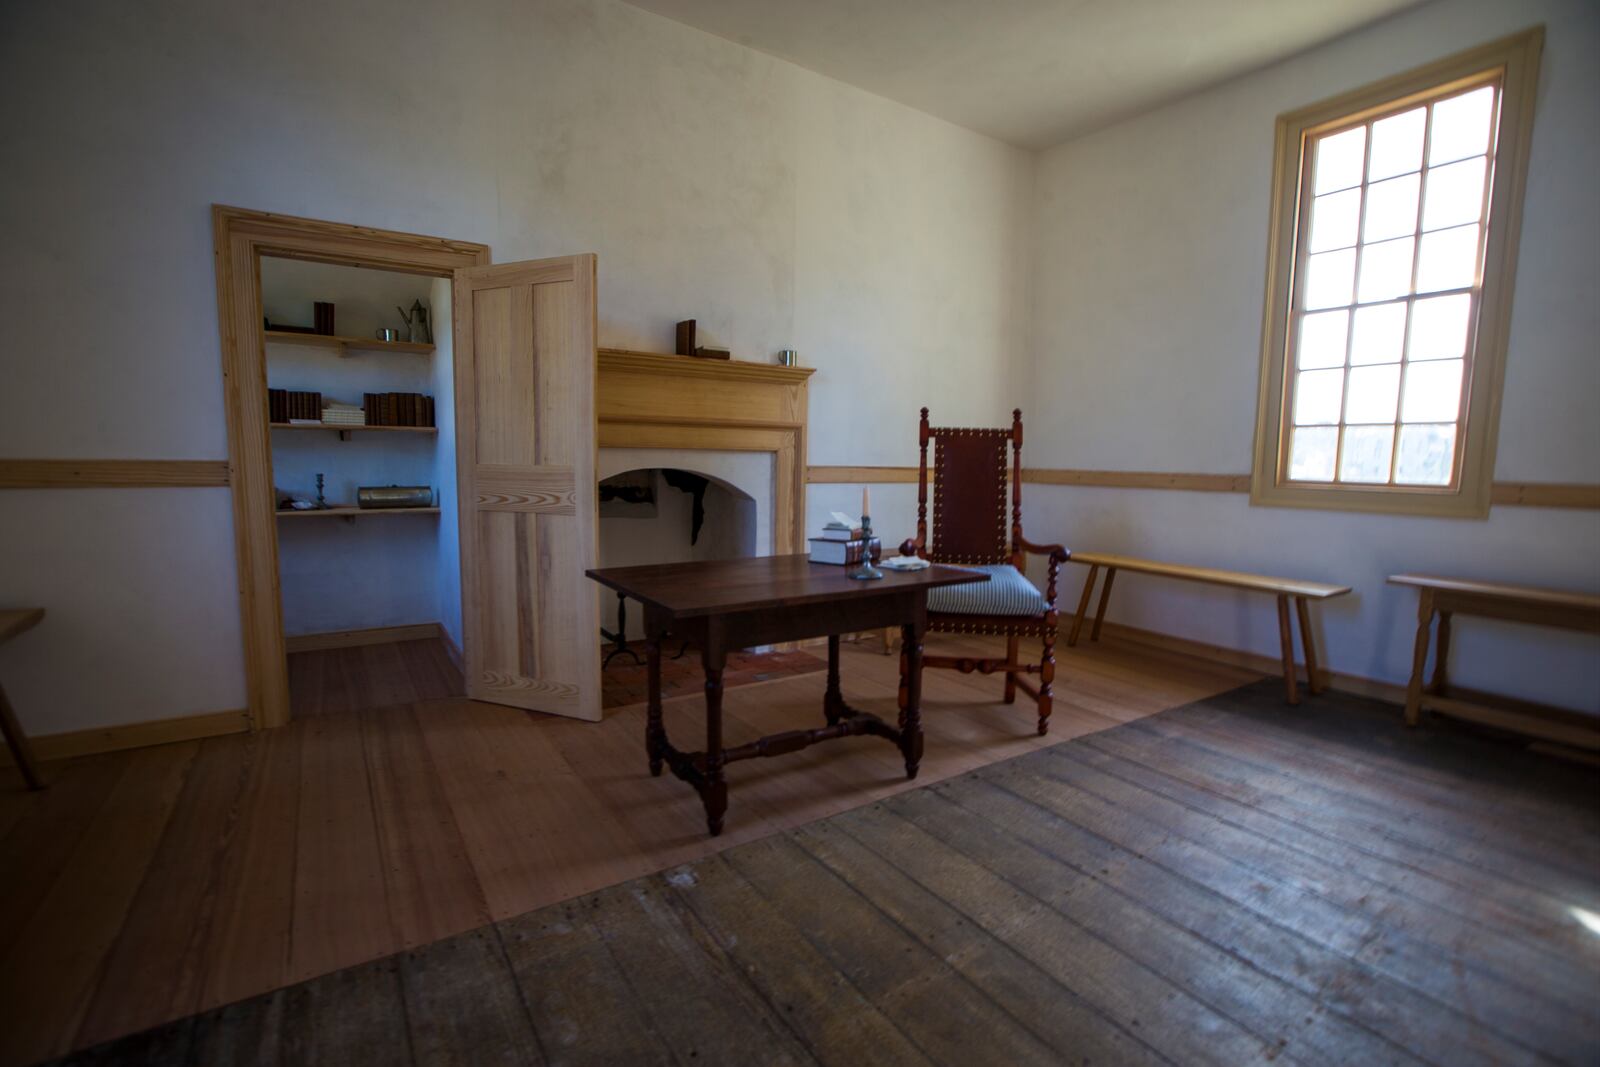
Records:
x=843, y=545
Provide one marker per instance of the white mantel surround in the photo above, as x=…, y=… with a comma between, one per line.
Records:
x=749, y=472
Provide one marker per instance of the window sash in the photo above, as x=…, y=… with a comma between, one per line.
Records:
x=1514, y=61
x=1297, y=309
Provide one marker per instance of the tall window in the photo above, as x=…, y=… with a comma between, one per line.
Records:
x=1394, y=237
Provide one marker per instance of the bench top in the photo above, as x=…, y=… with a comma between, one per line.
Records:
x=1237, y=579
x=14, y=621
x=1527, y=594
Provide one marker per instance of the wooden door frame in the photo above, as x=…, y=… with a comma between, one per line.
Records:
x=240, y=238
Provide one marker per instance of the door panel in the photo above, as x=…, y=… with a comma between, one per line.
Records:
x=525, y=367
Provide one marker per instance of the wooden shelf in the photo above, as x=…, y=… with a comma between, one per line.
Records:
x=344, y=428
x=350, y=513
x=346, y=344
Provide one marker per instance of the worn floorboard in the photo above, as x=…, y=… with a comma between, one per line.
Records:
x=1228, y=882
x=146, y=886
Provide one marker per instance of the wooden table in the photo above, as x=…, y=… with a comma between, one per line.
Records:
x=1282, y=588
x=732, y=604
x=12, y=623
x=1445, y=597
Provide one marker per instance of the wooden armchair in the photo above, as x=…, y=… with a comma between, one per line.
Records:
x=970, y=529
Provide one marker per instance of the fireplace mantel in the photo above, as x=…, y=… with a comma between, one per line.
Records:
x=655, y=400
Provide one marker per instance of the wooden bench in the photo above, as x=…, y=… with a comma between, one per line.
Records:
x=1282, y=588
x=1535, y=605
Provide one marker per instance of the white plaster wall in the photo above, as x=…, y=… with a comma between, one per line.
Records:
x=777, y=208
x=1148, y=277
x=364, y=300
x=443, y=389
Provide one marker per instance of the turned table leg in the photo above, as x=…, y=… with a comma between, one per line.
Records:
x=833, y=699
x=714, y=793
x=1286, y=640
x=1308, y=643
x=1419, y=657
x=911, y=709
x=655, y=736
x=1083, y=605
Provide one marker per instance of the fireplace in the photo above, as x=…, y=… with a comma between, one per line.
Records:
x=669, y=506
x=739, y=428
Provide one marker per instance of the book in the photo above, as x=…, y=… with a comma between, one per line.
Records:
x=843, y=553
x=831, y=532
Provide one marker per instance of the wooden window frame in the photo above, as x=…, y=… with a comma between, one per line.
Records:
x=1515, y=62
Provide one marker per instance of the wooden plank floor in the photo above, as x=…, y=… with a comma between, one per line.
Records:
x=149, y=885
x=1231, y=882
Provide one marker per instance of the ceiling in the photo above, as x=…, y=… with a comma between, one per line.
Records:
x=1031, y=72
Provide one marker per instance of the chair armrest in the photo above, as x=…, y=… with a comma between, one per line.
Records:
x=911, y=547
x=1057, y=553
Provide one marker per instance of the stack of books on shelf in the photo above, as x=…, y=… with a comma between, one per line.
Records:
x=842, y=544
x=293, y=406
x=336, y=414
x=397, y=409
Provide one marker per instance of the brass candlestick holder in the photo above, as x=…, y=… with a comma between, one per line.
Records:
x=865, y=571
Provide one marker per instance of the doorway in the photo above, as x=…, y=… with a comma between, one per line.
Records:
x=243, y=240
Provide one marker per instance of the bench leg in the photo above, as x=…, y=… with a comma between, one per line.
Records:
x=1307, y=642
x=1286, y=639
x=1083, y=605
x=1105, y=595
x=21, y=752
x=1419, y=657
x=1441, y=654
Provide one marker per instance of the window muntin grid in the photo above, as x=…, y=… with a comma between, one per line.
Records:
x=1388, y=278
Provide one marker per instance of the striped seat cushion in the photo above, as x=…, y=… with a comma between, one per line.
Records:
x=1006, y=592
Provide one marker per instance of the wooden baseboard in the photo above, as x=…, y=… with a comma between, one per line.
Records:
x=134, y=735
x=1563, y=729
x=377, y=635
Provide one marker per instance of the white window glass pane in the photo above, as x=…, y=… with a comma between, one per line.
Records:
x=1334, y=220
x=1439, y=327
x=1426, y=455
x=1338, y=160
x=1455, y=195
x=1311, y=453
x=1392, y=208
x=1374, y=392
x=1385, y=270
x=1367, y=451
x=1433, y=391
x=1397, y=144
x=1328, y=278
x=1380, y=329
x=1317, y=394
x=1449, y=259
x=1322, y=339
x=1461, y=126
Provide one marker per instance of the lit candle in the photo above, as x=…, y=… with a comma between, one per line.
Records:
x=866, y=501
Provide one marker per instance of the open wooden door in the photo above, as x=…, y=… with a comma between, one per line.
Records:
x=525, y=448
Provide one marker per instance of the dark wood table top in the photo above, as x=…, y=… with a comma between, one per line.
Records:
x=713, y=587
